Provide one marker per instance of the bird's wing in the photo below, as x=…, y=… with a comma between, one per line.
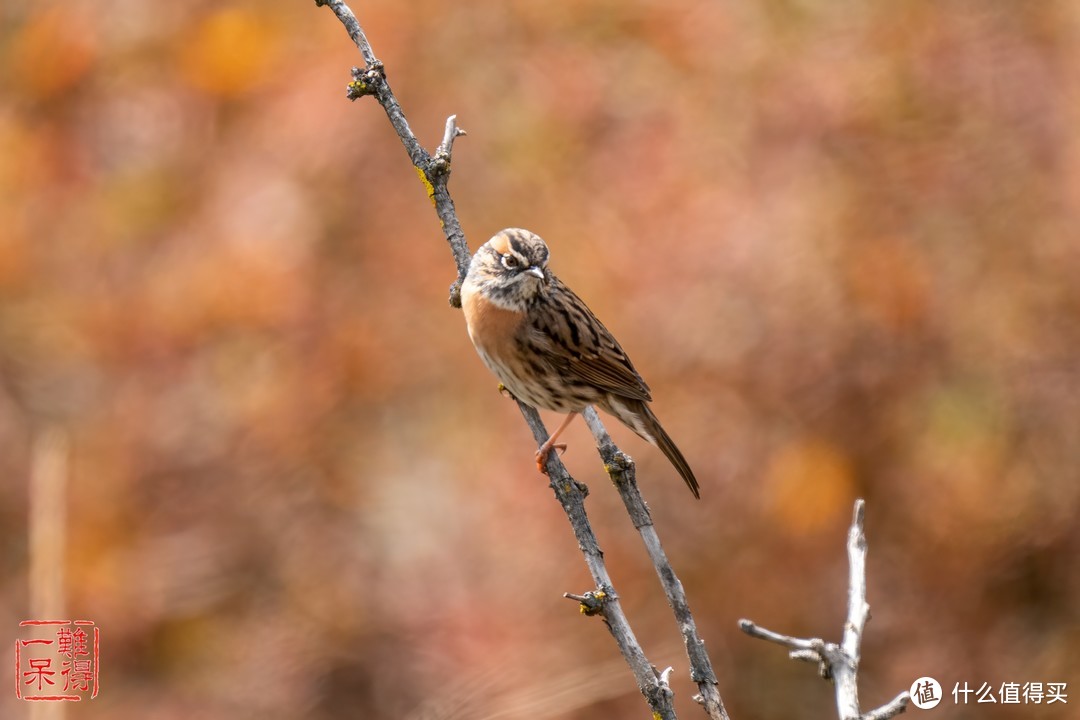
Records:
x=579, y=345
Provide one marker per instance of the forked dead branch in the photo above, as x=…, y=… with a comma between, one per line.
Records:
x=840, y=663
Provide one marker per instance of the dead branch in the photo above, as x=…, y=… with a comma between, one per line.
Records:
x=840, y=662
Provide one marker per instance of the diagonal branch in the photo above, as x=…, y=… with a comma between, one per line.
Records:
x=840, y=663
x=624, y=475
x=433, y=171
x=604, y=600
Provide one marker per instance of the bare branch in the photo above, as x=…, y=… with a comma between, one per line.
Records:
x=846, y=674
x=604, y=601
x=452, y=131
x=352, y=25
x=624, y=475
x=434, y=172
x=794, y=644
x=840, y=663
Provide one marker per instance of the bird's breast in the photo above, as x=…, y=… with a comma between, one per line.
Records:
x=501, y=342
x=492, y=328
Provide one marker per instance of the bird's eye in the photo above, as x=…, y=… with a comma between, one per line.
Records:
x=510, y=262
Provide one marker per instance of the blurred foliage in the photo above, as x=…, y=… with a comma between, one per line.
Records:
x=839, y=240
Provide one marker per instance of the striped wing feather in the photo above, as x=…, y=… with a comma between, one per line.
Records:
x=582, y=348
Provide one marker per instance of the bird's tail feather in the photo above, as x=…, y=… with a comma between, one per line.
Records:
x=639, y=417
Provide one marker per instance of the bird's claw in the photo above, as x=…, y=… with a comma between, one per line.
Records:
x=542, y=456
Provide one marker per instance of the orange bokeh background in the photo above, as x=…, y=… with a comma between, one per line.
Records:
x=839, y=241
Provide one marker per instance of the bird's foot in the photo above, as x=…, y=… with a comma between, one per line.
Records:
x=544, y=451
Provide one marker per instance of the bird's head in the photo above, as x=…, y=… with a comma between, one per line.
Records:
x=511, y=268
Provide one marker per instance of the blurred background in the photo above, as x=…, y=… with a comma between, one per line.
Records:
x=839, y=240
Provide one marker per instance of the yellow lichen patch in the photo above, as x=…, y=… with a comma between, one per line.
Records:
x=427, y=185
x=592, y=603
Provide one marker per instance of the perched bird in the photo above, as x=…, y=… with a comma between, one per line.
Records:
x=547, y=347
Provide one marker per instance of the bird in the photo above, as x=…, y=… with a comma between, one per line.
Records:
x=548, y=349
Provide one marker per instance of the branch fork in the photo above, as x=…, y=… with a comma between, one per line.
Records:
x=839, y=662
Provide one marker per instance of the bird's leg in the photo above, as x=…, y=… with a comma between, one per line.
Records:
x=550, y=444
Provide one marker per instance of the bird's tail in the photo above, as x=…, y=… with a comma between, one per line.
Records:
x=639, y=417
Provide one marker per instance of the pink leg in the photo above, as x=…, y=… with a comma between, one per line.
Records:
x=549, y=444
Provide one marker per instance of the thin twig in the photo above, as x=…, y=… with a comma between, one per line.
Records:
x=352, y=25
x=890, y=709
x=452, y=131
x=624, y=474
x=840, y=662
x=434, y=172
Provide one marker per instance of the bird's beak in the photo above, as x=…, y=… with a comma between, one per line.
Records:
x=536, y=271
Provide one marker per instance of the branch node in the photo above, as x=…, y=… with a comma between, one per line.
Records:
x=565, y=483
x=368, y=81
x=455, y=295
x=592, y=602
x=660, y=693
x=439, y=167
x=619, y=466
